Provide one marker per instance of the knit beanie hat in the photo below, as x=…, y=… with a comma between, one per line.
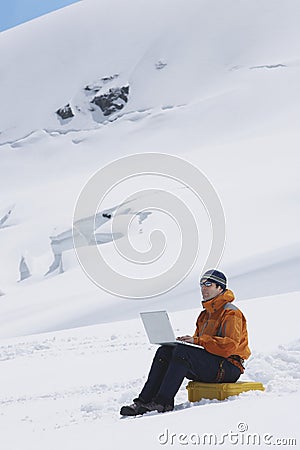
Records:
x=216, y=277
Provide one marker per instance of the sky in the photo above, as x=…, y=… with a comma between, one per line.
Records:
x=15, y=12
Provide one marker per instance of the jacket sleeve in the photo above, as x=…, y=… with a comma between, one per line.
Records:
x=228, y=343
x=196, y=334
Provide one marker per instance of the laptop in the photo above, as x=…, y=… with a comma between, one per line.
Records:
x=159, y=329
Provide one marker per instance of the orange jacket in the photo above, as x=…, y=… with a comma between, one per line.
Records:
x=221, y=327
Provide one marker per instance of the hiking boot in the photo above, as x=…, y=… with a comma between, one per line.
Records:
x=135, y=409
x=154, y=406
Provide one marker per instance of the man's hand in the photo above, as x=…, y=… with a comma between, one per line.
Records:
x=186, y=338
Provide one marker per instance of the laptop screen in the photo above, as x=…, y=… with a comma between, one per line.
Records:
x=158, y=326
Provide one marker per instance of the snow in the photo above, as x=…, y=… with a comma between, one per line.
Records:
x=68, y=386
x=215, y=83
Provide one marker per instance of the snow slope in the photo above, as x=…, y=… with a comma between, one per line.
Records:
x=65, y=389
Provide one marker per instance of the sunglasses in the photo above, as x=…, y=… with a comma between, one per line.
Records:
x=205, y=283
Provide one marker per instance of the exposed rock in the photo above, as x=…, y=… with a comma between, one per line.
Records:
x=101, y=97
x=109, y=78
x=97, y=85
x=92, y=88
x=65, y=112
x=160, y=65
x=114, y=100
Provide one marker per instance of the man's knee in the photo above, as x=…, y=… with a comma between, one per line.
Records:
x=181, y=351
x=164, y=353
x=181, y=355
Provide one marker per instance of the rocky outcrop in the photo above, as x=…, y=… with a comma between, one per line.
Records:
x=160, y=65
x=112, y=101
x=97, y=85
x=101, y=97
x=65, y=112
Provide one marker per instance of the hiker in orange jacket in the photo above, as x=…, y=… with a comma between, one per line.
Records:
x=221, y=327
x=221, y=334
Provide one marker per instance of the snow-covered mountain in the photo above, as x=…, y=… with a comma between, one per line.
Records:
x=214, y=83
x=233, y=64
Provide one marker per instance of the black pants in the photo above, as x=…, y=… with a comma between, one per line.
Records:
x=171, y=364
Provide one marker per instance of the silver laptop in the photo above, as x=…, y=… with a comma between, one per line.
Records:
x=159, y=329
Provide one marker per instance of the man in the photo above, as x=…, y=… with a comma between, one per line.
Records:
x=222, y=332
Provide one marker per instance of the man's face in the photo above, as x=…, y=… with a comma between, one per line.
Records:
x=209, y=292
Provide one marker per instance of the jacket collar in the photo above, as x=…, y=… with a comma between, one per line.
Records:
x=219, y=301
